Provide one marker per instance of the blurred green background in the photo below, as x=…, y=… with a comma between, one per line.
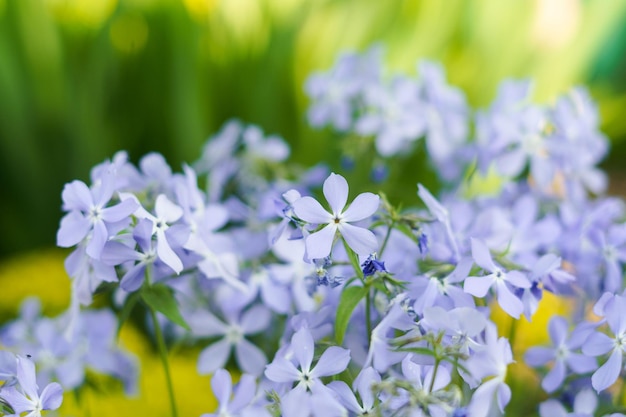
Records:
x=81, y=79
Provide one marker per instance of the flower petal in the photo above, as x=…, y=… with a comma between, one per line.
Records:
x=363, y=206
x=214, y=357
x=303, y=345
x=255, y=320
x=336, y=192
x=133, y=278
x=166, y=210
x=52, y=396
x=222, y=385
x=319, y=244
x=552, y=408
x=27, y=378
x=74, y=227
x=557, y=328
x=166, y=254
x=517, y=278
x=99, y=237
x=508, y=301
x=608, y=373
x=311, y=211
x=333, y=361
x=360, y=240
x=346, y=396
x=597, y=344
x=281, y=370
x=482, y=255
x=538, y=356
x=250, y=358
x=555, y=377
x=120, y=211
x=17, y=400
x=76, y=196
x=478, y=286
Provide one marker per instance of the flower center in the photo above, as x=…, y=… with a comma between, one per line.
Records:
x=234, y=334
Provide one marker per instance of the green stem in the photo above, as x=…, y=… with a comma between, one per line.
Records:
x=512, y=333
x=384, y=245
x=166, y=367
x=619, y=398
x=368, y=314
x=432, y=382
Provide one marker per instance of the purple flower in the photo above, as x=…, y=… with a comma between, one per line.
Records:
x=88, y=213
x=490, y=362
x=479, y=286
x=562, y=353
x=363, y=386
x=28, y=398
x=319, y=244
x=372, y=265
x=282, y=370
x=585, y=404
x=599, y=344
x=166, y=213
x=334, y=94
x=441, y=214
x=319, y=403
x=250, y=358
x=393, y=115
x=241, y=403
x=462, y=324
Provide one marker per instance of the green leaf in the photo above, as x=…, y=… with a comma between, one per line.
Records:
x=350, y=298
x=161, y=298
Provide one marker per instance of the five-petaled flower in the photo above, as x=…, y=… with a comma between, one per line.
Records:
x=27, y=399
x=319, y=243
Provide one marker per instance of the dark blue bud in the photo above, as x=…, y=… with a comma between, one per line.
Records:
x=371, y=265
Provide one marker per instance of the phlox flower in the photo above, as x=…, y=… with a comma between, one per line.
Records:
x=363, y=386
x=321, y=403
x=585, y=404
x=167, y=213
x=250, y=358
x=492, y=362
x=360, y=240
x=562, y=353
x=241, y=403
x=27, y=398
x=89, y=215
x=334, y=360
x=600, y=344
x=479, y=286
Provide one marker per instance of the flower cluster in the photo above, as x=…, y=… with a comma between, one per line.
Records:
x=338, y=307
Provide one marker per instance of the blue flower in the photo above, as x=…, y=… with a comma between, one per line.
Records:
x=360, y=240
x=28, y=399
x=371, y=265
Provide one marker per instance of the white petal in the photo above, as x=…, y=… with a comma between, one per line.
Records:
x=363, y=206
x=311, y=211
x=336, y=192
x=213, y=357
x=166, y=210
x=319, y=244
x=250, y=358
x=360, y=240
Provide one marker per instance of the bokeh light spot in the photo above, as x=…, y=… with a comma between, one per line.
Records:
x=129, y=33
x=90, y=14
x=200, y=9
